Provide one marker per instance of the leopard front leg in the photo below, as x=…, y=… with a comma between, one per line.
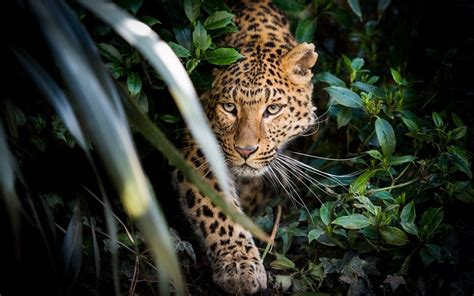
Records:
x=236, y=264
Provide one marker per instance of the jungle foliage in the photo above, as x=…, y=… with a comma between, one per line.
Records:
x=383, y=205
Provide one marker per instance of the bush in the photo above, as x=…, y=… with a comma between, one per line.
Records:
x=381, y=191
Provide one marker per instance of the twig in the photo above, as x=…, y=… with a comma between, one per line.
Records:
x=274, y=231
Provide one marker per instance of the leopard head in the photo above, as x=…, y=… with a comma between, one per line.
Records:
x=258, y=105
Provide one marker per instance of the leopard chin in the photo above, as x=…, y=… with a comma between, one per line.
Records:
x=246, y=170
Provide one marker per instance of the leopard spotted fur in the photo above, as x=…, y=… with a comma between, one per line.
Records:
x=255, y=107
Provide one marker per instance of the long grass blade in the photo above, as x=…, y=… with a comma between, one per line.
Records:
x=62, y=106
x=11, y=201
x=102, y=121
x=71, y=250
x=159, y=140
x=168, y=65
x=165, y=62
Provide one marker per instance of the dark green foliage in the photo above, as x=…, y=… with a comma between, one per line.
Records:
x=391, y=215
x=412, y=161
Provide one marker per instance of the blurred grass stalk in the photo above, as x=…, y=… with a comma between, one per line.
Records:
x=98, y=108
x=167, y=64
x=94, y=112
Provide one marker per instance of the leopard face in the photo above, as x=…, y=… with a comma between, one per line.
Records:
x=255, y=112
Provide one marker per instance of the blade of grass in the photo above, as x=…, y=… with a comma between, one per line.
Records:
x=102, y=122
x=71, y=250
x=165, y=62
x=162, y=58
x=60, y=103
x=11, y=202
x=159, y=140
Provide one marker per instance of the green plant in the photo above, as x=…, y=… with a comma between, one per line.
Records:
x=384, y=187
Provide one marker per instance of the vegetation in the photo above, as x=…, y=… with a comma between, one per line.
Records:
x=380, y=200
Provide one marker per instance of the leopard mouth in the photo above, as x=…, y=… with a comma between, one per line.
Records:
x=246, y=170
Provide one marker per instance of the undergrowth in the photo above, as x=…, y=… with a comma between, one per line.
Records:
x=386, y=190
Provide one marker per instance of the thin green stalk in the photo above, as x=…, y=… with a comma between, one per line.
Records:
x=393, y=186
x=159, y=140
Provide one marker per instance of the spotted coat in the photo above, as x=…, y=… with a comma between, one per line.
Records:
x=255, y=107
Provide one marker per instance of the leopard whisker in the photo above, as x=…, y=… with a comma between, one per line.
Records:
x=333, y=177
x=292, y=186
x=324, y=158
x=290, y=195
x=295, y=169
x=335, y=180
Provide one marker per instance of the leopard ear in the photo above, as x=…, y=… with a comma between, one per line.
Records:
x=297, y=63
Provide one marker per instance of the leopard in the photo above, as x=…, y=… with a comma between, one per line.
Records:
x=255, y=107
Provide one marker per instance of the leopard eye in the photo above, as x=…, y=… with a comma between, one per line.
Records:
x=273, y=109
x=229, y=107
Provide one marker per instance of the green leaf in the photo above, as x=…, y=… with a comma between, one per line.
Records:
x=110, y=52
x=407, y=218
x=410, y=228
x=370, y=232
x=384, y=195
x=357, y=64
x=354, y=221
x=438, y=121
x=344, y=116
x=180, y=51
x=201, y=39
x=365, y=203
x=397, y=160
x=344, y=96
x=396, y=76
x=283, y=281
x=375, y=154
x=192, y=9
x=115, y=69
x=457, y=120
x=330, y=79
x=142, y=102
x=314, y=234
x=282, y=263
x=230, y=28
x=184, y=37
x=459, y=132
x=355, y=6
x=459, y=158
x=411, y=125
x=170, y=118
x=211, y=6
x=359, y=184
x=222, y=56
x=325, y=212
x=408, y=214
x=467, y=195
x=134, y=5
x=134, y=83
x=149, y=20
x=218, y=20
x=393, y=236
x=191, y=65
x=435, y=251
x=382, y=6
x=386, y=136
x=373, y=79
x=430, y=221
x=305, y=30
x=368, y=88
x=426, y=257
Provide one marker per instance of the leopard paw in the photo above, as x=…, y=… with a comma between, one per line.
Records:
x=240, y=276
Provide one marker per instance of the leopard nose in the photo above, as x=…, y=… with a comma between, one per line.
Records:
x=246, y=151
